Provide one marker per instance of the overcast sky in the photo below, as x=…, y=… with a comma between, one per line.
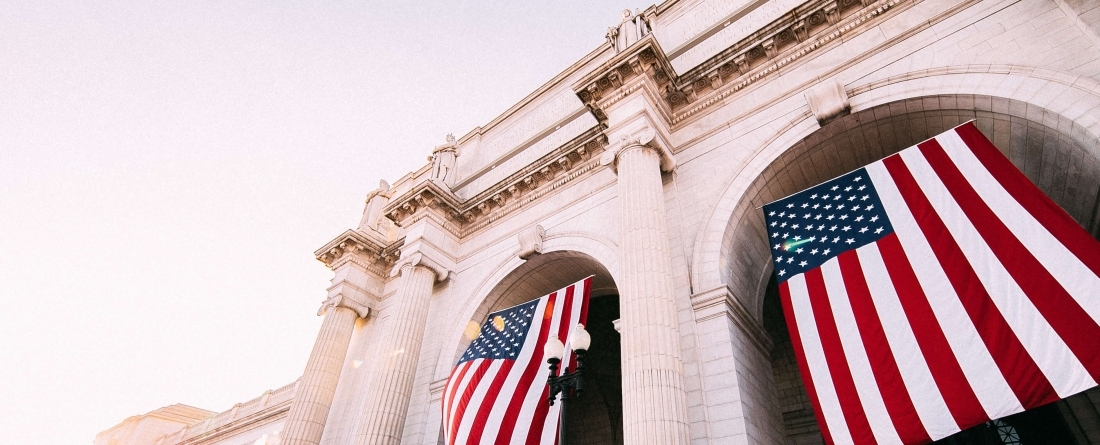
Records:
x=168, y=168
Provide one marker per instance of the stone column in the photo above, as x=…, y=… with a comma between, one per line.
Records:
x=309, y=411
x=654, y=399
x=390, y=385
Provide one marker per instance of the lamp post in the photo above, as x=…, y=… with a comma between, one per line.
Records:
x=567, y=382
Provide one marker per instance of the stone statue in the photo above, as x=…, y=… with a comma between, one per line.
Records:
x=376, y=200
x=444, y=158
x=630, y=29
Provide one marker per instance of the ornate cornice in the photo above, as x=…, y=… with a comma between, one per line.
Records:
x=358, y=248
x=774, y=46
x=461, y=217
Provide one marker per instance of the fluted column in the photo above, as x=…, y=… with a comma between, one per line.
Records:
x=654, y=400
x=308, y=412
x=390, y=385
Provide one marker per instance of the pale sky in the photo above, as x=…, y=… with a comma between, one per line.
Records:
x=168, y=168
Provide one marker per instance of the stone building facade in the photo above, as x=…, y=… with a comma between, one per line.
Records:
x=644, y=163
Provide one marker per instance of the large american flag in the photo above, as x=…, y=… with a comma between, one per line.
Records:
x=932, y=291
x=497, y=392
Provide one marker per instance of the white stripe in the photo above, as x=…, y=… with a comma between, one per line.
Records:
x=1074, y=276
x=1041, y=341
x=922, y=388
x=856, y=356
x=527, y=352
x=815, y=360
x=476, y=401
x=534, y=394
x=446, y=402
x=977, y=364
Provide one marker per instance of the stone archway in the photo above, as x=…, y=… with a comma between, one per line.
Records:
x=596, y=417
x=1053, y=151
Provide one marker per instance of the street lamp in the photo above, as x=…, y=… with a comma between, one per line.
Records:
x=567, y=382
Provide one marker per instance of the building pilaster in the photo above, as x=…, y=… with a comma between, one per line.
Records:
x=654, y=398
x=390, y=387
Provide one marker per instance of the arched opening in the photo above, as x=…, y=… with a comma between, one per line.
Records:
x=595, y=417
x=1054, y=152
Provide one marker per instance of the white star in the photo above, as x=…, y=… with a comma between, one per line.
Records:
x=861, y=187
x=826, y=252
x=850, y=241
x=777, y=246
x=804, y=205
x=806, y=216
x=816, y=206
x=818, y=216
x=813, y=196
x=782, y=272
x=859, y=218
x=794, y=226
x=785, y=235
x=858, y=178
x=847, y=228
x=848, y=188
x=840, y=207
x=796, y=238
x=771, y=213
x=826, y=197
x=783, y=224
x=863, y=230
x=790, y=206
x=829, y=207
x=781, y=214
x=874, y=218
x=779, y=260
x=775, y=234
x=813, y=252
x=852, y=198
x=837, y=198
x=832, y=229
x=837, y=239
x=830, y=217
x=813, y=238
x=869, y=207
x=835, y=187
x=855, y=208
x=790, y=260
x=843, y=217
x=772, y=224
x=821, y=227
x=878, y=230
x=798, y=250
x=865, y=197
x=802, y=263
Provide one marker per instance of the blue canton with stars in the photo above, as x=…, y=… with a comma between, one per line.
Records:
x=502, y=335
x=810, y=227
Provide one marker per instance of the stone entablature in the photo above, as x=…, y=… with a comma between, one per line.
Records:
x=462, y=217
x=354, y=246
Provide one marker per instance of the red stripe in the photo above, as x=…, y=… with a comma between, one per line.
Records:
x=800, y=356
x=1027, y=381
x=850, y=404
x=479, y=371
x=885, y=368
x=491, y=393
x=1058, y=307
x=508, y=424
x=534, y=435
x=956, y=391
x=1049, y=214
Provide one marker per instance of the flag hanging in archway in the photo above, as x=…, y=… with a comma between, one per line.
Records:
x=934, y=290
x=497, y=393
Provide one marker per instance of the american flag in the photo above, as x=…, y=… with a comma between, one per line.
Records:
x=497, y=392
x=932, y=291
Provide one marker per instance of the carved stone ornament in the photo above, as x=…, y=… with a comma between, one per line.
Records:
x=419, y=259
x=333, y=301
x=530, y=241
x=828, y=101
x=647, y=137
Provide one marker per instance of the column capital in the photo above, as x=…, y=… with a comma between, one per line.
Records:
x=442, y=273
x=645, y=136
x=361, y=308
